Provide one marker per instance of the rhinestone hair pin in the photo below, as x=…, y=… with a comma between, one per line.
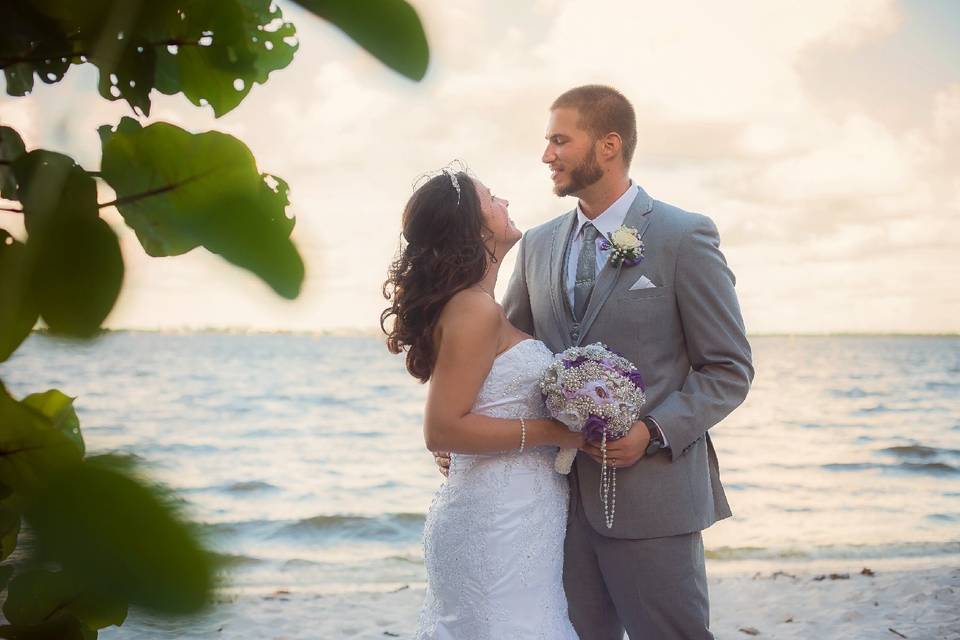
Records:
x=451, y=171
x=453, y=179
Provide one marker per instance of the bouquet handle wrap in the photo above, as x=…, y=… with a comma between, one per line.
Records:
x=564, y=461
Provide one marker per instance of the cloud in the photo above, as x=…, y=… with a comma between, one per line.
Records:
x=755, y=112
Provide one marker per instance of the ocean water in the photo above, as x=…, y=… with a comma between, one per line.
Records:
x=302, y=456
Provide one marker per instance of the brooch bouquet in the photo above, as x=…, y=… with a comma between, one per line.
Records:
x=593, y=390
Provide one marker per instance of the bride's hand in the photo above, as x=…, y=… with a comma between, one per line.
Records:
x=566, y=439
x=442, y=458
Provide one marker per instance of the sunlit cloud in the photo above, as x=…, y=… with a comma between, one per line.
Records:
x=806, y=131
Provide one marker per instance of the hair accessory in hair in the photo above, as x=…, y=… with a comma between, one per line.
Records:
x=451, y=171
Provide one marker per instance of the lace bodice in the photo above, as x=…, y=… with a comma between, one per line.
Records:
x=512, y=388
x=493, y=538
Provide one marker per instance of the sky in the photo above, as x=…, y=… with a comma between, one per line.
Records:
x=822, y=137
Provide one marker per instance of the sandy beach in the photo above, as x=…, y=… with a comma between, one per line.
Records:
x=920, y=604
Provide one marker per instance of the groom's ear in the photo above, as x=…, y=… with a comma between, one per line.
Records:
x=610, y=146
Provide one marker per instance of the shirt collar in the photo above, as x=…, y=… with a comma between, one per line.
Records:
x=612, y=218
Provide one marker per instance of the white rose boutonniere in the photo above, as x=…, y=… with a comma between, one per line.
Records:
x=626, y=245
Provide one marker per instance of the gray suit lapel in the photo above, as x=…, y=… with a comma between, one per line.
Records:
x=558, y=257
x=638, y=217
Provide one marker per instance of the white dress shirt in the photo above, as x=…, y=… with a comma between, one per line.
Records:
x=606, y=223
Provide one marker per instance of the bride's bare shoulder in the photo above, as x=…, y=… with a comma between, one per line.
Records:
x=470, y=313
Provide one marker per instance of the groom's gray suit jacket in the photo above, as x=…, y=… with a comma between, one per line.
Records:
x=687, y=338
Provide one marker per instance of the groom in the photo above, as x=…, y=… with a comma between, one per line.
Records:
x=675, y=316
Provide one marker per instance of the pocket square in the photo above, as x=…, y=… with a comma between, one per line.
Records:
x=643, y=283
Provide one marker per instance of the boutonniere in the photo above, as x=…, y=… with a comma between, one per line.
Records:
x=626, y=247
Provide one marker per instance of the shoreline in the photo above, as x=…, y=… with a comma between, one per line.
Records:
x=911, y=603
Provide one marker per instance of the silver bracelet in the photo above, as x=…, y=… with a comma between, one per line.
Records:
x=523, y=434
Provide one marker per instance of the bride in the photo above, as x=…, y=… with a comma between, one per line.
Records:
x=493, y=538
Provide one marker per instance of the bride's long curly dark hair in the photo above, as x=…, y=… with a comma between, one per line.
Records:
x=442, y=253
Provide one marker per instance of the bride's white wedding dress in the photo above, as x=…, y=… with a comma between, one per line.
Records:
x=493, y=538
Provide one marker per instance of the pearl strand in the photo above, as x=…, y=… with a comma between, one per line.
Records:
x=523, y=434
x=608, y=485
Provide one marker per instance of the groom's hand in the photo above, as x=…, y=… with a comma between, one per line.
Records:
x=442, y=458
x=624, y=452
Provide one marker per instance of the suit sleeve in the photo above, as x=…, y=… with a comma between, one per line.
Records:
x=516, y=302
x=721, y=368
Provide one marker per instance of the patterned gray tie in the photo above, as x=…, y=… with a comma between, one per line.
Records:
x=586, y=271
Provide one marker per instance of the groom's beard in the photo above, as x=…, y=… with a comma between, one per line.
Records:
x=582, y=176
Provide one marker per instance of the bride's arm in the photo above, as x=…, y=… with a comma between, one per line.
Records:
x=467, y=344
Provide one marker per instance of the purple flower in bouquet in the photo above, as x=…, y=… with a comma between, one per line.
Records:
x=594, y=427
x=637, y=380
x=576, y=362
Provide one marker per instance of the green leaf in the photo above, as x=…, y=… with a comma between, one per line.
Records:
x=53, y=188
x=31, y=448
x=58, y=408
x=77, y=267
x=9, y=529
x=130, y=76
x=37, y=595
x=78, y=276
x=6, y=572
x=388, y=29
x=18, y=308
x=127, y=541
x=61, y=627
x=11, y=148
x=242, y=42
x=179, y=190
x=31, y=43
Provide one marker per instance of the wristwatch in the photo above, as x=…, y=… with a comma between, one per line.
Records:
x=656, y=440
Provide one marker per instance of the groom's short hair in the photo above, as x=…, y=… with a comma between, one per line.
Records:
x=603, y=110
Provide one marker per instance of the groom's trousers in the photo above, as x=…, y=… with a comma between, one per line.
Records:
x=655, y=589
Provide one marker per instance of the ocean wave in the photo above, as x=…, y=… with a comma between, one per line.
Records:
x=837, y=551
x=387, y=527
x=233, y=560
x=249, y=485
x=855, y=392
x=935, y=468
x=920, y=451
x=390, y=528
x=938, y=385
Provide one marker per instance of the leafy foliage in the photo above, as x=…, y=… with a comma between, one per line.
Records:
x=389, y=29
x=114, y=538
x=32, y=446
x=207, y=191
x=147, y=553
x=38, y=595
x=77, y=268
x=18, y=308
x=212, y=52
